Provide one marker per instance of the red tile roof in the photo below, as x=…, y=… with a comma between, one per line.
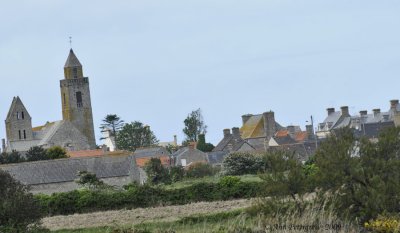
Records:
x=141, y=162
x=85, y=153
x=281, y=133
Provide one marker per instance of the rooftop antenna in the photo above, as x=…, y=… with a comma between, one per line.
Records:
x=70, y=42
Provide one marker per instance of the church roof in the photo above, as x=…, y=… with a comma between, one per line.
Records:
x=15, y=102
x=72, y=60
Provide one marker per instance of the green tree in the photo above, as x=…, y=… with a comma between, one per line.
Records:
x=202, y=145
x=194, y=125
x=134, y=135
x=19, y=211
x=89, y=180
x=156, y=172
x=36, y=153
x=56, y=152
x=240, y=163
x=13, y=157
x=113, y=123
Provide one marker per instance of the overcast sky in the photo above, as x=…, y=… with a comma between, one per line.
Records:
x=155, y=60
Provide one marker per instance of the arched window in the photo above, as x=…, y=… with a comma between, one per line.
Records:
x=79, y=99
x=75, y=72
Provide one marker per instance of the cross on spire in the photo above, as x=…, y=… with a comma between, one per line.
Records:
x=70, y=42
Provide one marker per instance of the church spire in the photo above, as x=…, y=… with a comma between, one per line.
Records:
x=72, y=60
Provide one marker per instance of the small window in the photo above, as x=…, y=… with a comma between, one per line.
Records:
x=75, y=72
x=19, y=134
x=79, y=99
x=24, y=134
x=64, y=102
x=18, y=116
x=22, y=115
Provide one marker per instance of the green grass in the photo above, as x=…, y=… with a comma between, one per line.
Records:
x=208, y=179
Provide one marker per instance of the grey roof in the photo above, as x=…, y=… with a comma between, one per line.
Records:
x=372, y=130
x=150, y=152
x=15, y=102
x=65, y=170
x=72, y=60
x=232, y=139
x=216, y=157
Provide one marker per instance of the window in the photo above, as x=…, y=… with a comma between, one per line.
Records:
x=79, y=99
x=19, y=134
x=64, y=102
x=24, y=134
x=22, y=115
x=18, y=116
x=75, y=72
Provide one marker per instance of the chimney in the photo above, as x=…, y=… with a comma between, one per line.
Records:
x=227, y=132
x=3, y=145
x=269, y=124
x=175, y=140
x=310, y=131
x=330, y=110
x=291, y=129
x=376, y=111
x=393, y=104
x=345, y=111
x=246, y=117
x=235, y=132
x=363, y=113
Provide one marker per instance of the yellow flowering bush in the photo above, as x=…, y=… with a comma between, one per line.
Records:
x=383, y=225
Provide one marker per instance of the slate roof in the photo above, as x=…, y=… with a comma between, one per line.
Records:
x=151, y=152
x=235, y=140
x=72, y=60
x=65, y=170
x=216, y=157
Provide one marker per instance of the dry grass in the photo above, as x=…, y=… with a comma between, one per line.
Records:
x=141, y=215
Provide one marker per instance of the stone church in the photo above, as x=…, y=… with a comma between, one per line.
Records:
x=74, y=132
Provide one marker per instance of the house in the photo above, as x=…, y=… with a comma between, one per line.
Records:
x=364, y=124
x=143, y=155
x=52, y=176
x=188, y=155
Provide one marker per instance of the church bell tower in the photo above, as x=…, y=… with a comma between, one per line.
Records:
x=75, y=98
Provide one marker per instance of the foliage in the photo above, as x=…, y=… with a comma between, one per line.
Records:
x=194, y=125
x=364, y=177
x=134, y=135
x=199, y=169
x=176, y=173
x=135, y=196
x=240, y=163
x=13, y=157
x=89, y=180
x=113, y=123
x=383, y=225
x=156, y=172
x=56, y=152
x=202, y=145
x=36, y=153
x=19, y=211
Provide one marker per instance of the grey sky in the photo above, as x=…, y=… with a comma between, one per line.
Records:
x=156, y=60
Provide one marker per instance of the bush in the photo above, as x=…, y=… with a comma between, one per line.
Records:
x=135, y=196
x=239, y=163
x=13, y=157
x=56, y=152
x=19, y=211
x=176, y=173
x=156, y=172
x=199, y=169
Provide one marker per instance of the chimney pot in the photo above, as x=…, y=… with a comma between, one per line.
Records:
x=235, y=132
x=394, y=103
x=376, y=111
x=227, y=132
x=269, y=124
x=345, y=111
x=363, y=112
x=330, y=110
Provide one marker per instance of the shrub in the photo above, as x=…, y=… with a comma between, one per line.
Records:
x=13, y=157
x=36, y=153
x=176, y=173
x=19, y=211
x=199, y=169
x=156, y=172
x=56, y=152
x=239, y=163
x=383, y=225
